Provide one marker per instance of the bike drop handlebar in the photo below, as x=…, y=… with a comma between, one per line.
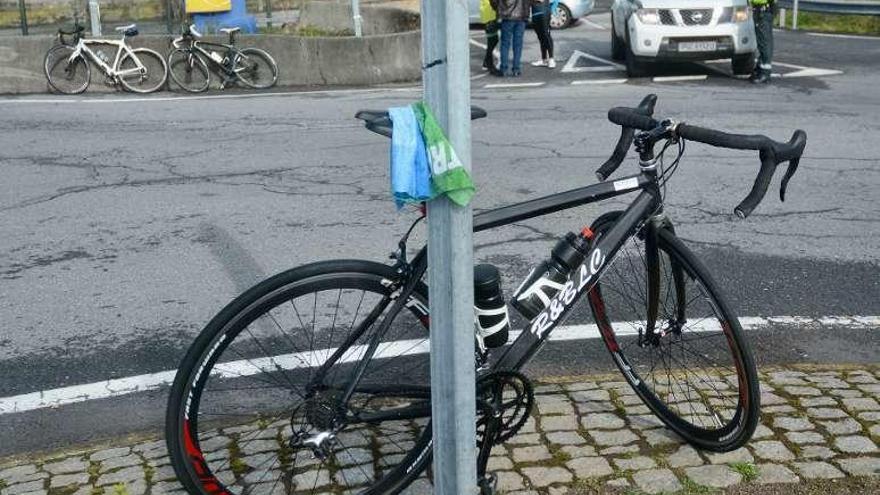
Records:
x=645, y=108
x=771, y=152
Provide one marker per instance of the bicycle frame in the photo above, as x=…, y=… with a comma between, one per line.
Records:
x=197, y=46
x=583, y=278
x=122, y=47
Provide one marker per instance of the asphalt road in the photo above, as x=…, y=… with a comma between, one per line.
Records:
x=127, y=223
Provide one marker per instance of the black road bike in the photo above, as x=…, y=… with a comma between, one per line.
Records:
x=317, y=379
x=190, y=58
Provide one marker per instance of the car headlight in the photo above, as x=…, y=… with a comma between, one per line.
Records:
x=648, y=16
x=740, y=14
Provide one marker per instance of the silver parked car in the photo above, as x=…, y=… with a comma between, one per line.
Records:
x=566, y=13
x=676, y=30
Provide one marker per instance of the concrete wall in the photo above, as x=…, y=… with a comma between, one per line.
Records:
x=335, y=15
x=302, y=61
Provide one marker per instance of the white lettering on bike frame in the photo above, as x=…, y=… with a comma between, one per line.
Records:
x=569, y=292
x=626, y=184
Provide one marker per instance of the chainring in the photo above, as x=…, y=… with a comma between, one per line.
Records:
x=517, y=398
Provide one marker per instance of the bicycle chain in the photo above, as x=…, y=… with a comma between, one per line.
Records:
x=520, y=404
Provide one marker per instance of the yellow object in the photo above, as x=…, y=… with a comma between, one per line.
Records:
x=206, y=6
x=487, y=13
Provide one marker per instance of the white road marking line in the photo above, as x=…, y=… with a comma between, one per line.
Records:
x=514, y=85
x=695, y=77
x=479, y=76
x=598, y=81
x=802, y=71
x=209, y=97
x=118, y=387
x=846, y=36
x=594, y=24
x=577, y=55
x=477, y=43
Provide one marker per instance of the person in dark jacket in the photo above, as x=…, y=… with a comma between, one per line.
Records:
x=513, y=15
x=762, y=12
x=542, y=10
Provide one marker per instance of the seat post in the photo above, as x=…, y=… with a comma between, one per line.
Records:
x=232, y=37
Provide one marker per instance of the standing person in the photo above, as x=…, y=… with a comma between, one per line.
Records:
x=490, y=20
x=763, y=11
x=513, y=15
x=542, y=10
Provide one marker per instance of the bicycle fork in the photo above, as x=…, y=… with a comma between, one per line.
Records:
x=652, y=335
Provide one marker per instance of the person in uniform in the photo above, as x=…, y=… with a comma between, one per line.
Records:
x=490, y=21
x=763, y=11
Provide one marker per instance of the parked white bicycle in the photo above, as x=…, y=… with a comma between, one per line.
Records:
x=68, y=70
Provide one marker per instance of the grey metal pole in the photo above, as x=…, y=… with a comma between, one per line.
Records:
x=356, y=18
x=269, y=14
x=794, y=14
x=95, y=17
x=169, y=17
x=446, y=80
x=782, y=18
x=22, y=16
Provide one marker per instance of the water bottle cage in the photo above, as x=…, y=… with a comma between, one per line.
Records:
x=504, y=323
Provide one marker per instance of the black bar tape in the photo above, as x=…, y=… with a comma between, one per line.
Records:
x=646, y=107
x=628, y=117
x=759, y=188
x=623, y=144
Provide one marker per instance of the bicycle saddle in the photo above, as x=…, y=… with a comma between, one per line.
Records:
x=192, y=31
x=379, y=122
x=230, y=30
x=129, y=30
x=77, y=29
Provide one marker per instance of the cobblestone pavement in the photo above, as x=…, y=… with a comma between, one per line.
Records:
x=588, y=433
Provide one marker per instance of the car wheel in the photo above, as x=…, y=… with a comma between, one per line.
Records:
x=561, y=19
x=743, y=64
x=634, y=67
x=616, y=44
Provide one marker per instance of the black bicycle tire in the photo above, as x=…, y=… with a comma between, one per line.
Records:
x=270, y=62
x=201, y=63
x=148, y=53
x=79, y=58
x=393, y=482
x=748, y=406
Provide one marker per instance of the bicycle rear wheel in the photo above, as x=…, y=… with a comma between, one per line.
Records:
x=254, y=407
x=256, y=68
x=188, y=70
x=148, y=71
x=65, y=75
x=695, y=372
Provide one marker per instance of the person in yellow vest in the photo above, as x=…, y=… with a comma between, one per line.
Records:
x=763, y=11
x=489, y=18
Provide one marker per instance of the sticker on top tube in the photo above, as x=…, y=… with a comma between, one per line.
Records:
x=622, y=185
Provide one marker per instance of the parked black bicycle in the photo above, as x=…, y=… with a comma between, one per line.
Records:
x=190, y=58
x=317, y=379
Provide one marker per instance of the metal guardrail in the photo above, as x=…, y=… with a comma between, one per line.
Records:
x=857, y=7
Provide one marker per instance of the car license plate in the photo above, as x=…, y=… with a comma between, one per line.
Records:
x=697, y=46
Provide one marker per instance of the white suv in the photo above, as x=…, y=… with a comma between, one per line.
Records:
x=678, y=30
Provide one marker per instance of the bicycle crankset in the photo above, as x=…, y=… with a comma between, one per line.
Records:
x=511, y=397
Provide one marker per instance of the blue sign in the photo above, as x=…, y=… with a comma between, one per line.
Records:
x=236, y=17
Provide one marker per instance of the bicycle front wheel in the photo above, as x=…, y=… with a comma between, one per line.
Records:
x=694, y=371
x=255, y=406
x=256, y=68
x=66, y=75
x=143, y=71
x=188, y=70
